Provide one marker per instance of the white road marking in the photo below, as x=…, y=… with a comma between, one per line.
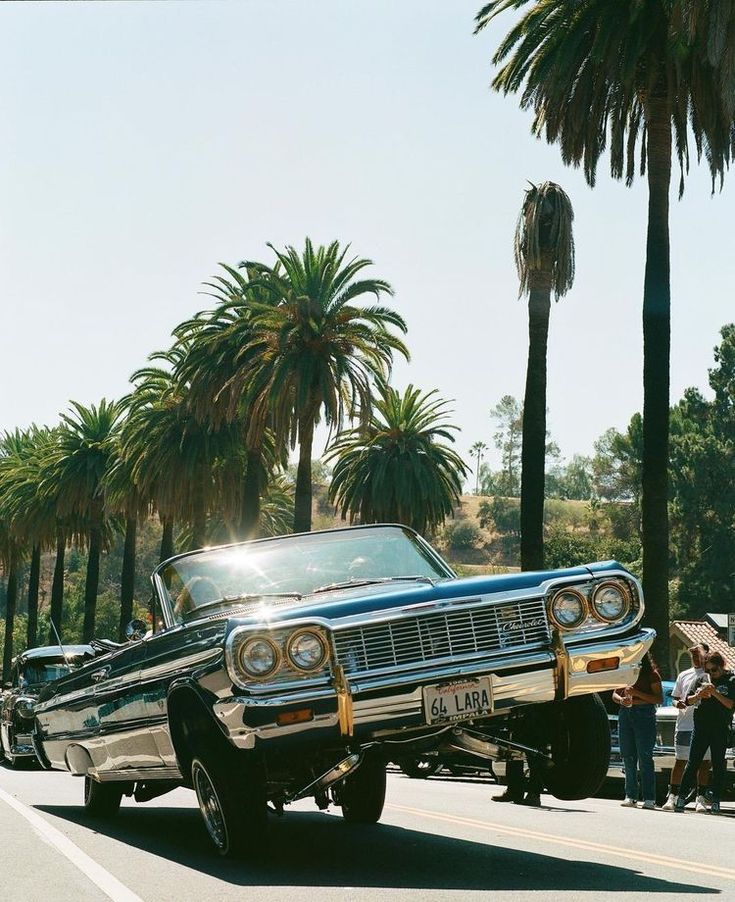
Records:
x=101, y=878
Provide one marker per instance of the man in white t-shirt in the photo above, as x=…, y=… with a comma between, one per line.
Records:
x=685, y=684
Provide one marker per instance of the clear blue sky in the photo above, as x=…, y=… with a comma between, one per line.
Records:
x=144, y=142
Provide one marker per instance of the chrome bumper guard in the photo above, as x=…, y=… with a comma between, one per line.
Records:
x=376, y=708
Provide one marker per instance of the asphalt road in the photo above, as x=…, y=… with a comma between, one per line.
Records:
x=440, y=839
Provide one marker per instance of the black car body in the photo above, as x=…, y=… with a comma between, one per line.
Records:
x=32, y=670
x=296, y=666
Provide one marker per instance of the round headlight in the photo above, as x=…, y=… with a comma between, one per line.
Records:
x=25, y=707
x=610, y=601
x=568, y=608
x=307, y=651
x=259, y=657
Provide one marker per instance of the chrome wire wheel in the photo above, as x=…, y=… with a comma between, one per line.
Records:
x=210, y=806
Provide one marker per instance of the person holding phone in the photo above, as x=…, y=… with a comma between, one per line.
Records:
x=714, y=698
x=637, y=732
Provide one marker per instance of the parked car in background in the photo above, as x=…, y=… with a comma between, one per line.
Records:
x=296, y=667
x=31, y=671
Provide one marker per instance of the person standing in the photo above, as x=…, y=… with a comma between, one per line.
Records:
x=637, y=732
x=685, y=685
x=715, y=701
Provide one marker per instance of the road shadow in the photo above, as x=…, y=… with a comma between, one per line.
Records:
x=320, y=850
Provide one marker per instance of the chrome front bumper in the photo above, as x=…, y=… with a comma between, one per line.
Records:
x=379, y=708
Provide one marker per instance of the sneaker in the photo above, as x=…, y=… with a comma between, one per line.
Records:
x=649, y=805
x=679, y=804
x=668, y=805
x=629, y=803
x=715, y=809
x=701, y=806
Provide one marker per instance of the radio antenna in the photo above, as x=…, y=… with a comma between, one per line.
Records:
x=58, y=639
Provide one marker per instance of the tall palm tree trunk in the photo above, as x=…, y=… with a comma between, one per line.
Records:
x=91, y=583
x=656, y=353
x=302, y=492
x=199, y=517
x=34, y=579
x=533, y=447
x=250, y=511
x=57, y=590
x=127, y=576
x=10, y=606
x=167, y=539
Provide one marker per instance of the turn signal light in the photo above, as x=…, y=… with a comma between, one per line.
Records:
x=302, y=715
x=603, y=664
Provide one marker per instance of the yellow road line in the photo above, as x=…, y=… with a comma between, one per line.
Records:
x=695, y=867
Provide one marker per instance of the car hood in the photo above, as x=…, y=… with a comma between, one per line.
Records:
x=351, y=601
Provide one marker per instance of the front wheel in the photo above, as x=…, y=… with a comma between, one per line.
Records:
x=362, y=794
x=102, y=799
x=580, y=748
x=232, y=801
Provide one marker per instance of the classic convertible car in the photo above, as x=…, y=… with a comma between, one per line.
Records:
x=295, y=667
x=31, y=671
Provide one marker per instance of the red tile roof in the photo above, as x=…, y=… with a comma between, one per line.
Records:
x=695, y=631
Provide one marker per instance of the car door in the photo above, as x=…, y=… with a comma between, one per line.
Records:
x=123, y=738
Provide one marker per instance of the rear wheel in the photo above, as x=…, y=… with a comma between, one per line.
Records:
x=580, y=748
x=102, y=799
x=232, y=800
x=362, y=794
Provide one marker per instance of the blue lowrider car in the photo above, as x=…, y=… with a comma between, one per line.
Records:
x=296, y=666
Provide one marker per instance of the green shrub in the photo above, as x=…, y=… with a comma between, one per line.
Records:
x=501, y=514
x=461, y=535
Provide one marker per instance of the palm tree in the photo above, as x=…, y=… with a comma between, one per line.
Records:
x=84, y=454
x=184, y=466
x=314, y=351
x=399, y=468
x=122, y=497
x=544, y=252
x=478, y=450
x=214, y=343
x=11, y=548
x=30, y=512
x=596, y=72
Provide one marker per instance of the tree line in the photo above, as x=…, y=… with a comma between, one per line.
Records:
x=203, y=438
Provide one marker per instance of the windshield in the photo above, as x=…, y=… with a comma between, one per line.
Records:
x=43, y=672
x=296, y=566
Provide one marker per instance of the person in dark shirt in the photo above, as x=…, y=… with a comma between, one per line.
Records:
x=715, y=701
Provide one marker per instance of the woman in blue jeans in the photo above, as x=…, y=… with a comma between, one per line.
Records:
x=637, y=732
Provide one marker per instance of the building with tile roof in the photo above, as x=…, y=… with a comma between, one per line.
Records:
x=685, y=633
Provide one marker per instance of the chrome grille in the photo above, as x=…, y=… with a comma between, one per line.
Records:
x=434, y=636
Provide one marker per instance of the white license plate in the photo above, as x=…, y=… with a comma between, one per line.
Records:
x=458, y=701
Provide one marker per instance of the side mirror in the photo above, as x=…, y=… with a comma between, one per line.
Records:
x=136, y=630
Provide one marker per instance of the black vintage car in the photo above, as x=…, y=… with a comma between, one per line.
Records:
x=32, y=670
x=295, y=667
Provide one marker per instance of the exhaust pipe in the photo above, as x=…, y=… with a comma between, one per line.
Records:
x=488, y=747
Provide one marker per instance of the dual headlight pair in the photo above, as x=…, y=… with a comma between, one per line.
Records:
x=305, y=651
x=608, y=602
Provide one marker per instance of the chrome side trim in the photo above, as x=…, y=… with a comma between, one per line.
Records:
x=136, y=775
